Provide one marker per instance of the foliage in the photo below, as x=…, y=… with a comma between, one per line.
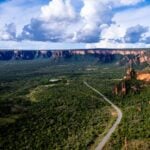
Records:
x=67, y=115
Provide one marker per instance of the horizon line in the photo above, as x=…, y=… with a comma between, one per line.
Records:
x=71, y=49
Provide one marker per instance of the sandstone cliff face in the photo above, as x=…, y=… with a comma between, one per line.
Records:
x=143, y=77
x=131, y=82
x=104, y=55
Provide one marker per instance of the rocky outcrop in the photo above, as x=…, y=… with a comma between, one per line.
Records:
x=129, y=84
x=143, y=76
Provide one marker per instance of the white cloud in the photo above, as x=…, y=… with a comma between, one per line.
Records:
x=94, y=15
x=17, y=12
x=60, y=22
x=113, y=32
x=113, y=44
x=59, y=10
x=91, y=21
x=130, y=2
x=8, y=32
x=124, y=21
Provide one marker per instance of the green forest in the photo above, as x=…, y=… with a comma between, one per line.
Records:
x=45, y=105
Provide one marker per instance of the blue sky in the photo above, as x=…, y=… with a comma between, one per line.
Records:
x=50, y=24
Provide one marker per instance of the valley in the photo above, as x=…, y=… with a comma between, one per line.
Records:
x=38, y=112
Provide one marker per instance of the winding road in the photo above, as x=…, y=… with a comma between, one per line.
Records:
x=112, y=129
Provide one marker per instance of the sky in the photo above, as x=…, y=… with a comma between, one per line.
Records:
x=64, y=24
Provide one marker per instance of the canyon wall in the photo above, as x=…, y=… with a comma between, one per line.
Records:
x=105, y=55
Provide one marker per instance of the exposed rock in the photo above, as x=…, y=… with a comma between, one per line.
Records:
x=143, y=76
x=128, y=84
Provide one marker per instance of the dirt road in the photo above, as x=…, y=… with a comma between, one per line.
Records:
x=112, y=129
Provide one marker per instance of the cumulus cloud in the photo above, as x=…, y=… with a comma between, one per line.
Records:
x=59, y=21
x=114, y=44
x=53, y=24
x=147, y=40
x=38, y=30
x=119, y=37
x=134, y=34
x=89, y=21
x=8, y=32
x=58, y=10
x=93, y=17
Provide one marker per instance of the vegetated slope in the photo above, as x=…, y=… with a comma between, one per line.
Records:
x=134, y=131
x=27, y=125
x=65, y=116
